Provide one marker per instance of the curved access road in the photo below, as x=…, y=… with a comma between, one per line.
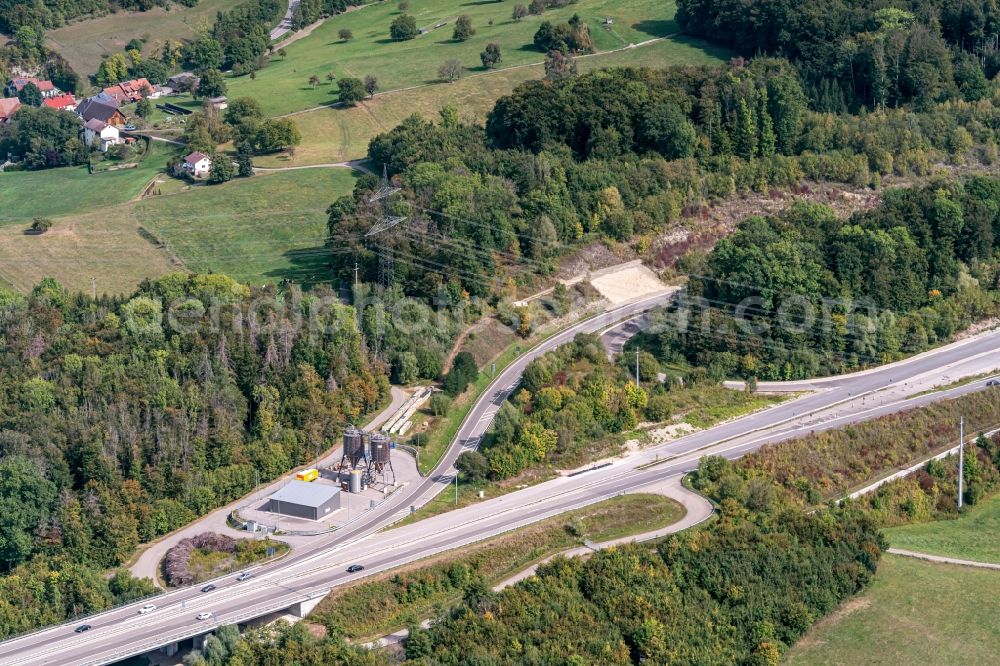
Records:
x=310, y=573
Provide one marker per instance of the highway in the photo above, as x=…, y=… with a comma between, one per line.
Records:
x=311, y=571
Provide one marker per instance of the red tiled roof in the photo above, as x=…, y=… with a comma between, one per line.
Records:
x=131, y=90
x=60, y=101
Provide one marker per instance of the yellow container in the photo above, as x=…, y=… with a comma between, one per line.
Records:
x=307, y=475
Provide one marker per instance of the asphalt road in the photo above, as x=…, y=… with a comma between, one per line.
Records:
x=311, y=571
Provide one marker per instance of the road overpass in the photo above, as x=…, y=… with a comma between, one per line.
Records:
x=311, y=572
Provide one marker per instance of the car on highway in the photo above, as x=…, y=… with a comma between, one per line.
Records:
x=355, y=568
x=993, y=382
x=204, y=616
x=148, y=608
x=82, y=628
x=208, y=588
x=246, y=575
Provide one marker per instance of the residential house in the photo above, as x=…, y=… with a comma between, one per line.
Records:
x=47, y=88
x=92, y=108
x=8, y=107
x=100, y=135
x=64, y=102
x=128, y=92
x=220, y=103
x=197, y=164
x=161, y=91
x=183, y=82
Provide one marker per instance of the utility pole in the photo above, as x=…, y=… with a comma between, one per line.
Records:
x=93, y=289
x=961, y=457
x=355, y=273
x=637, y=367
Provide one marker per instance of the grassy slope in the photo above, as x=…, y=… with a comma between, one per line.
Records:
x=914, y=613
x=85, y=43
x=974, y=536
x=55, y=192
x=283, y=86
x=335, y=134
x=260, y=229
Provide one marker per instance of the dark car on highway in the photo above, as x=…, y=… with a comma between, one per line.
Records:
x=993, y=382
x=208, y=588
x=355, y=568
x=82, y=628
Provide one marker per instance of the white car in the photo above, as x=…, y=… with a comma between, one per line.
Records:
x=148, y=608
x=204, y=616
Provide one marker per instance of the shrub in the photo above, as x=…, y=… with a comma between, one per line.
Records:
x=40, y=225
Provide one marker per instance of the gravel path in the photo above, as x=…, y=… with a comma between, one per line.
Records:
x=943, y=560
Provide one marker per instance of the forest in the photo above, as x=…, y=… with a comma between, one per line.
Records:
x=619, y=154
x=805, y=293
x=123, y=418
x=858, y=53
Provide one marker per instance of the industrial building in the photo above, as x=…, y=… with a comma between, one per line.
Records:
x=303, y=499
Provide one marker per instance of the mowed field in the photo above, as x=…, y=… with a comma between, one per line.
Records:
x=282, y=87
x=974, y=536
x=915, y=612
x=339, y=134
x=85, y=43
x=260, y=229
x=55, y=192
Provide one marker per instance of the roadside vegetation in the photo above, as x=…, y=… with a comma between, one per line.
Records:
x=406, y=596
x=209, y=555
x=830, y=464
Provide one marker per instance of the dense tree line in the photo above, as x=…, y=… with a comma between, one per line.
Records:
x=124, y=418
x=622, y=153
x=805, y=292
x=855, y=53
x=43, y=138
